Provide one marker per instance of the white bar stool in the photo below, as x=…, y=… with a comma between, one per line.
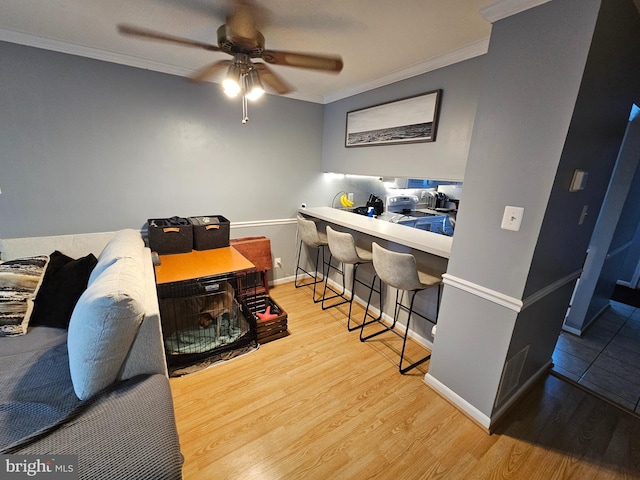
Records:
x=399, y=270
x=342, y=246
x=312, y=238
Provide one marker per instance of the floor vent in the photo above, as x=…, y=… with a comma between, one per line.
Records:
x=511, y=375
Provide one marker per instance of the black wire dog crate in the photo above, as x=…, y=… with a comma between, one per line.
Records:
x=205, y=318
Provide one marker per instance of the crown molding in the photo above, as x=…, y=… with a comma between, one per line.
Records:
x=506, y=8
x=465, y=53
x=95, y=53
x=469, y=51
x=107, y=56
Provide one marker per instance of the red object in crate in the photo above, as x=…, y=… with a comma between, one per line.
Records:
x=273, y=327
x=267, y=315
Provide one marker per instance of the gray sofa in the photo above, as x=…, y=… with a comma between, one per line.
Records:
x=100, y=389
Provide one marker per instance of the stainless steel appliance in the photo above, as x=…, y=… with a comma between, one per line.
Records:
x=404, y=204
x=402, y=209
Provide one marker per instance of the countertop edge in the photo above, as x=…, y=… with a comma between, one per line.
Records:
x=417, y=239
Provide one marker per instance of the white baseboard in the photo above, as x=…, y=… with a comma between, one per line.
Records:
x=484, y=421
x=524, y=388
x=465, y=407
x=280, y=281
x=572, y=330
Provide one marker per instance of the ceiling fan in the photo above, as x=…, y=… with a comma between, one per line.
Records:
x=239, y=37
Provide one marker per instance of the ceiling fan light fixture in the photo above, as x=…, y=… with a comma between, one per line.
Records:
x=231, y=83
x=253, y=86
x=240, y=38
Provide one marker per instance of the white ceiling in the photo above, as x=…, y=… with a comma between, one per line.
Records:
x=380, y=41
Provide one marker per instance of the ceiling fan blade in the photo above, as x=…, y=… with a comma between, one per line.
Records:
x=209, y=71
x=329, y=63
x=153, y=35
x=275, y=82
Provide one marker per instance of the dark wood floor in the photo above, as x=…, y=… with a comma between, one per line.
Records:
x=319, y=404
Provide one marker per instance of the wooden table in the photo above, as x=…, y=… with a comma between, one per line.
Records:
x=200, y=264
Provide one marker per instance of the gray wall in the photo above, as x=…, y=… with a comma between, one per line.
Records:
x=538, y=119
x=522, y=123
x=444, y=159
x=607, y=93
x=94, y=146
x=608, y=90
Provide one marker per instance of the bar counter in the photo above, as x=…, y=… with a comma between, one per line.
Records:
x=433, y=243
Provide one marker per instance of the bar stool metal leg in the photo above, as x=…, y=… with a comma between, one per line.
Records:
x=377, y=319
x=310, y=236
x=343, y=293
x=404, y=341
x=320, y=249
x=398, y=270
x=343, y=248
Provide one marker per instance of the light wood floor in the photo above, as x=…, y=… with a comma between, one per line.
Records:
x=320, y=404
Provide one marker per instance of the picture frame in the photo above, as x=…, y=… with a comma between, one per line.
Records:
x=407, y=120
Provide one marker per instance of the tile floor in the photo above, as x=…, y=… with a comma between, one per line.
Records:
x=606, y=359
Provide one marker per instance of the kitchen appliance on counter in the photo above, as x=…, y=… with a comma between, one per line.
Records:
x=437, y=200
x=402, y=209
x=375, y=203
x=404, y=204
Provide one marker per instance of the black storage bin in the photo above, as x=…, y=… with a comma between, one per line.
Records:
x=170, y=235
x=210, y=232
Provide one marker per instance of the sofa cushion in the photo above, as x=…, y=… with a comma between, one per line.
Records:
x=125, y=243
x=64, y=281
x=20, y=281
x=103, y=326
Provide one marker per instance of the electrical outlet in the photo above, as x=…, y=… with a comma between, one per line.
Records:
x=512, y=218
x=277, y=262
x=350, y=196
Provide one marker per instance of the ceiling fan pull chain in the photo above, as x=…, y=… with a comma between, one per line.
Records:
x=245, y=115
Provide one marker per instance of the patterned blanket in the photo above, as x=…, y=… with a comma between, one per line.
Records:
x=127, y=431
x=19, y=283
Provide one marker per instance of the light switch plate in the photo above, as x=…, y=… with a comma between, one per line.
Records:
x=579, y=180
x=512, y=218
x=583, y=214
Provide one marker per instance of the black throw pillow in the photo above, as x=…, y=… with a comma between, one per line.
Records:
x=63, y=283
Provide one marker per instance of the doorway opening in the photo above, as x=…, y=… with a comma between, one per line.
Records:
x=598, y=348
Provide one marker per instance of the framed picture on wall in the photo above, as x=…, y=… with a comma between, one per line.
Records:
x=408, y=120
